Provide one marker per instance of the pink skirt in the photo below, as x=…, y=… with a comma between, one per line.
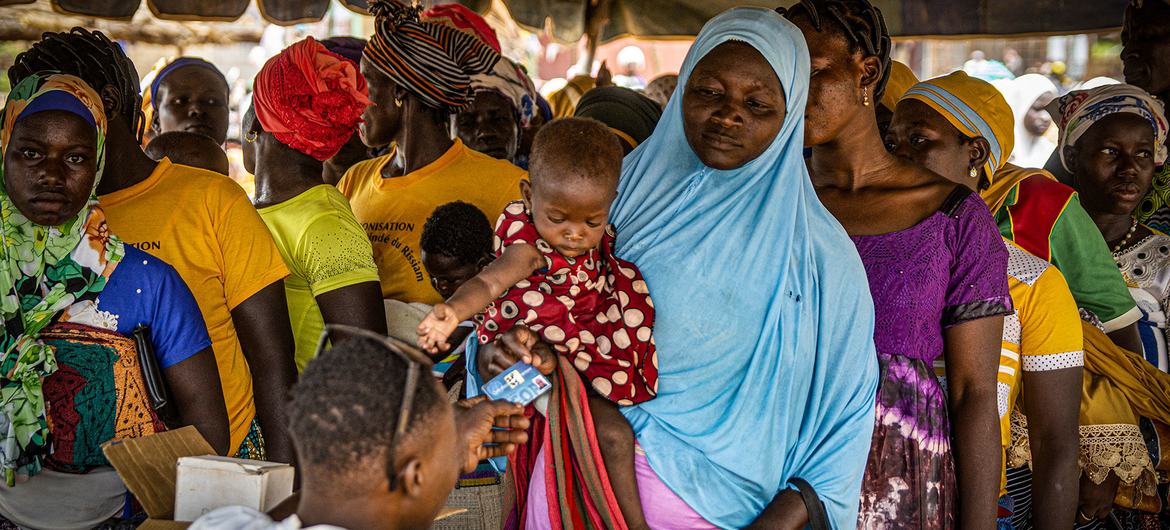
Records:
x=664, y=510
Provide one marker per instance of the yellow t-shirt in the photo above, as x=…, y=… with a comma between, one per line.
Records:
x=393, y=210
x=203, y=225
x=1042, y=334
x=325, y=249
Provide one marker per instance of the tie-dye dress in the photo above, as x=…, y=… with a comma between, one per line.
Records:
x=948, y=269
x=594, y=309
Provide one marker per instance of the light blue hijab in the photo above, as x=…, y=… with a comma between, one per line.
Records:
x=764, y=326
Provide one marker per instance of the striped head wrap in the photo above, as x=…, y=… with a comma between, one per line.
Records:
x=956, y=96
x=1076, y=112
x=310, y=98
x=463, y=19
x=433, y=62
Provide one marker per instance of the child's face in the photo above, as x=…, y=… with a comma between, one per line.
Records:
x=441, y=456
x=448, y=272
x=571, y=216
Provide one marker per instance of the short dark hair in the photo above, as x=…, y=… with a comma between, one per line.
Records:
x=860, y=22
x=458, y=230
x=345, y=408
x=190, y=149
x=581, y=148
x=94, y=58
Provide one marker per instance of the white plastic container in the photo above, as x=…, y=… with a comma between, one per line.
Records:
x=205, y=483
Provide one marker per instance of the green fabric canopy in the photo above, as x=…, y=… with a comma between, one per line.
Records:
x=905, y=18
x=669, y=18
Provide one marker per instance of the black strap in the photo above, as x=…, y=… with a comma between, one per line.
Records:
x=817, y=518
x=952, y=202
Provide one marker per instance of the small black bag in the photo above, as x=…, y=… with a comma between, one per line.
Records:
x=156, y=385
x=817, y=518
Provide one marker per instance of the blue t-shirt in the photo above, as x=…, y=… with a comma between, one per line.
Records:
x=146, y=290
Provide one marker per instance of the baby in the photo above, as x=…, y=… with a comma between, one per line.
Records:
x=456, y=245
x=556, y=274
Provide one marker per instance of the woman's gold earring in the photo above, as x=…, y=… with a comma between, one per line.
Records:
x=974, y=173
x=251, y=136
x=397, y=102
x=865, y=97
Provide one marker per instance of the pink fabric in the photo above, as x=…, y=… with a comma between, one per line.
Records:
x=664, y=510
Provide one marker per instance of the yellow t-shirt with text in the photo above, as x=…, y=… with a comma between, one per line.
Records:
x=202, y=224
x=393, y=210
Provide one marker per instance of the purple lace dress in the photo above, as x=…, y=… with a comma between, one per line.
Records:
x=949, y=268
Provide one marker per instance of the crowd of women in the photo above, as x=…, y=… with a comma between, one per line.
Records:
x=803, y=288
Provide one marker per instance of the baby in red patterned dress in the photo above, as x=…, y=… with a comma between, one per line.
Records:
x=556, y=274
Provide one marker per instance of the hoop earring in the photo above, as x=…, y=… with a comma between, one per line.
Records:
x=251, y=136
x=974, y=173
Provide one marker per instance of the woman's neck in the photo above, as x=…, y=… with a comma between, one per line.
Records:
x=1114, y=227
x=282, y=174
x=353, y=513
x=126, y=164
x=421, y=140
x=855, y=159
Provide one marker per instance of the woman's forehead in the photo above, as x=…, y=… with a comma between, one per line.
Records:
x=737, y=59
x=193, y=78
x=1119, y=125
x=45, y=123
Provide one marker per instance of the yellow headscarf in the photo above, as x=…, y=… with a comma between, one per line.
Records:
x=147, y=95
x=977, y=109
x=901, y=79
x=564, y=101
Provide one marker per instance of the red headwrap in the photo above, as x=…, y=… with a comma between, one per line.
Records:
x=311, y=99
x=463, y=19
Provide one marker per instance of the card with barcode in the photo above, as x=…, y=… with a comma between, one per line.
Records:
x=522, y=384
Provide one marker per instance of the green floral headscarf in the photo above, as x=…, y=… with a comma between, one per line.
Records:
x=44, y=271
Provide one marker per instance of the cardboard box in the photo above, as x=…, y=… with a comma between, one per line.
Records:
x=149, y=467
x=206, y=483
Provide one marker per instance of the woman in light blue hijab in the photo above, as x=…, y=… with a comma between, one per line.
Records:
x=764, y=325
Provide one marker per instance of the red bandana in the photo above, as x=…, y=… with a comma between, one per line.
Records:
x=311, y=99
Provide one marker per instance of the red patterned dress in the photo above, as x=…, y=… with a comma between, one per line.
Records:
x=594, y=309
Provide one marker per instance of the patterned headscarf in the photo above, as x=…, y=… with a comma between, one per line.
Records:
x=1076, y=112
x=44, y=271
x=974, y=107
x=465, y=20
x=434, y=62
x=510, y=81
x=310, y=98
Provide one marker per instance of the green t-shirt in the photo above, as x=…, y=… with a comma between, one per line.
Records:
x=1047, y=220
x=325, y=249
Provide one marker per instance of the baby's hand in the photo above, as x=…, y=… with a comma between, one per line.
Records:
x=436, y=327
